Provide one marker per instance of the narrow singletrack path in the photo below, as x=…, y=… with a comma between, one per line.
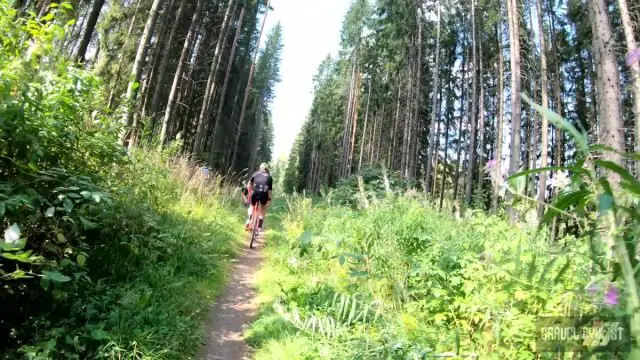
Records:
x=234, y=309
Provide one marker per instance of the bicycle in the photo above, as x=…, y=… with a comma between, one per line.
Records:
x=253, y=224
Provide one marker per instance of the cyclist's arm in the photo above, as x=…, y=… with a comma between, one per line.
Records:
x=270, y=186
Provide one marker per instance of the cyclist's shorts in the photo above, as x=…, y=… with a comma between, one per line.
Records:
x=261, y=196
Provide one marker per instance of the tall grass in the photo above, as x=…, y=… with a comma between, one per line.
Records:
x=400, y=280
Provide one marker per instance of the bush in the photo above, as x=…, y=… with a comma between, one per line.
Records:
x=104, y=254
x=400, y=280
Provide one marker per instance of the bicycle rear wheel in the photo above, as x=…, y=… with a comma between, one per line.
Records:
x=254, y=227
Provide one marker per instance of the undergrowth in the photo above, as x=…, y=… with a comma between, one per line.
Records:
x=400, y=280
x=104, y=254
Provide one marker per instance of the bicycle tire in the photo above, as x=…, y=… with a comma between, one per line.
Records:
x=254, y=224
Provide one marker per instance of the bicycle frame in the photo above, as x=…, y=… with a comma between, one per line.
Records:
x=254, y=223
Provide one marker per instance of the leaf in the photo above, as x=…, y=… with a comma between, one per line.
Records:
x=85, y=194
x=24, y=257
x=55, y=276
x=3, y=208
x=99, y=334
x=546, y=269
x=605, y=202
x=563, y=270
x=633, y=185
x=88, y=225
x=341, y=259
x=67, y=204
x=50, y=212
x=81, y=260
x=560, y=122
x=96, y=197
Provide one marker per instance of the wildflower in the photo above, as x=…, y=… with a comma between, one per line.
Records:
x=12, y=234
x=633, y=57
x=560, y=181
x=611, y=296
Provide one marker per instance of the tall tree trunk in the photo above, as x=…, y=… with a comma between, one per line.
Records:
x=223, y=92
x=141, y=54
x=347, y=120
x=464, y=103
x=544, y=138
x=111, y=101
x=499, y=125
x=514, y=41
x=354, y=122
x=213, y=77
x=434, y=104
x=162, y=70
x=96, y=8
x=247, y=91
x=481, y=122
x=364, y=131
x=446, y=143
x=630, y=39
x=610, y=106
x=171, y=101
x=474, y=100
x=392, y=149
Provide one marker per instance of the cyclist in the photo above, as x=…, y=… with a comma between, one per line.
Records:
x=261, y=185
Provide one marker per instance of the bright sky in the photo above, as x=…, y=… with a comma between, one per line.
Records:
x=311, y=30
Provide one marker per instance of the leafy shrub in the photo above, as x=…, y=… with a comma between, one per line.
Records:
x=99, y=247
x=400, y=280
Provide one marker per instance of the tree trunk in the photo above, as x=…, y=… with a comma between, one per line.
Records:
x=463, y=108
x=514, y=41
x=364, y=131
x=247, y=91
x=354, y=123
x=474, y=100
x=155, y=103
x=178, y=75
x=88, y=33
x=499, y=125
x=630, y=39
x=141, y=54
x=394, y=133
x=213, y=77
x=434, y=104
x=544, y=137
x=216, y=127
x=481, y=123
x=608, y=85
x=111, y=101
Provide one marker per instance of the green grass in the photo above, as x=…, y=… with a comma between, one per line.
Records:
x=400, y=280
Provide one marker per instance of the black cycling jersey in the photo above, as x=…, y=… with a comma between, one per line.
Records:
x=262, y=181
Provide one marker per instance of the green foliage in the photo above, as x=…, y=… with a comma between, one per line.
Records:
x=99, y=247
x=400, y=280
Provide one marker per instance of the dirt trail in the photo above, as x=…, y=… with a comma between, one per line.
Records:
x=234, y=309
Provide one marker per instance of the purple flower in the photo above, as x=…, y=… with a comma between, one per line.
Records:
x=633, y=57
x=611, y=297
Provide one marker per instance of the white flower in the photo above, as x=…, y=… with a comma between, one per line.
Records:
x=50, y=211
x=560, y=180
x=12, y=234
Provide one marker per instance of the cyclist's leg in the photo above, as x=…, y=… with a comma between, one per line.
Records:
x=263, y=203
x=252, y=202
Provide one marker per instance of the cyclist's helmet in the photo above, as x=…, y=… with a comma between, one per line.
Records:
x=264, y=167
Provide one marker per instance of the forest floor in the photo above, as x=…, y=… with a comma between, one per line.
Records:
x=233, y=311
